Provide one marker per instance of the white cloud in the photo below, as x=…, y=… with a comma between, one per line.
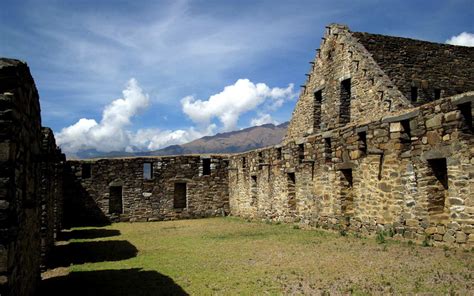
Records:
x=263, y=118
x=113, y=134
x=234, y=100
x=110, y=134
x=464, y=39
x=153, y=139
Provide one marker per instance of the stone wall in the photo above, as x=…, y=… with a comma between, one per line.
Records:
x=52, y=172
x=423, y=66
x=342, y=59
x=97, y=183
x=383, y=175
x=26, y=215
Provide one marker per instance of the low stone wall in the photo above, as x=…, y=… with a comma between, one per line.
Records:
x=410, y=174
x=176, y=188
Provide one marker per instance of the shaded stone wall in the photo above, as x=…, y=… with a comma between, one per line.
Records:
x=27, y=187
x=376, y=176
x=147, y=199
x=423, y=65
x=52, y=171
x=342, y=58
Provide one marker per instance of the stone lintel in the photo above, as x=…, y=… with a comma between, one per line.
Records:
x=327, y=135
x=463, y=100
x=362, y=129
x=401, y=117
x=375, y=151
x=345, y=165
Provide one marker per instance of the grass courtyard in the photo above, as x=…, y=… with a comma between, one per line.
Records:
x=232, y=256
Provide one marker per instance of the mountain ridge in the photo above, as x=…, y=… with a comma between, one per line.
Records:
x=228, y=142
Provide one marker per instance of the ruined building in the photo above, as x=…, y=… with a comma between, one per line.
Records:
x=381, y=139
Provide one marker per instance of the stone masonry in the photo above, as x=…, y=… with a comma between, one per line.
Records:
x=361, y=156
x=29, y=190
x=148, y=194
x=381, y=139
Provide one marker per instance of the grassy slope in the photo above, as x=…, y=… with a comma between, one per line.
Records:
x=232, y=256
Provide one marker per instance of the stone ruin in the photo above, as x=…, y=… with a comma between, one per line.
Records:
x=381, y=139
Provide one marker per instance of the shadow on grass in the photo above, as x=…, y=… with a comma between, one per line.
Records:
x=95, y=251
x=132, y=282
x=88, y=233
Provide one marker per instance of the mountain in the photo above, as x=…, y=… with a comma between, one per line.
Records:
x=230, y=142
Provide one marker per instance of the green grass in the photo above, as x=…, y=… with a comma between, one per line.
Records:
x=232, y=256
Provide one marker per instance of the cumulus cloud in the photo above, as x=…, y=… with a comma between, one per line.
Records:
x=111, y=133
x=263, y=118
x=153, y=139
x=114, y=131
x=234, y=100
x=464, y=39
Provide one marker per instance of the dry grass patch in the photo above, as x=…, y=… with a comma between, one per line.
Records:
x=232, y=256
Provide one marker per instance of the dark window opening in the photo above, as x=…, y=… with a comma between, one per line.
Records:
x=345, y=106
x=244, y=162
x=347, y=173
x=253, y=190
x=437, y=193
x=466, y=112
x=147, y=170
x=86, y=170
x=363, y=142
x=347, y=194
x=327, y=149
x=300, y=153
x=291, y=178
x=278, y=153
x=405, y=135
x=414, y=93
x=115, y=200
x=318, y=99
x=437, y=93
x=179, y=200
x=206, y=166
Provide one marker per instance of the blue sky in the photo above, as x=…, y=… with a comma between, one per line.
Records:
x=184, y=69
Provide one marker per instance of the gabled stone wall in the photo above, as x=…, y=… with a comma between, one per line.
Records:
x=386, y=182
x=153, y=199
x=339, y=58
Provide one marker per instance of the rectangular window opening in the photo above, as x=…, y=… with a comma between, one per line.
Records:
x=278, y=153
x=414, y=94
x=180, y=192
x=86, y=170
x=466, y=112
x=437, y=93
x=327, y=149
x=301, y=153
x=147, y=170
x=253, y=190
x=206, y=166
x=291, y=180
x=405, y=134
x=363, y=142
x=115, y=200
x=345, y=105
x=437, y=193
x=318, y=99
x=347, y=194
x=244, y=162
